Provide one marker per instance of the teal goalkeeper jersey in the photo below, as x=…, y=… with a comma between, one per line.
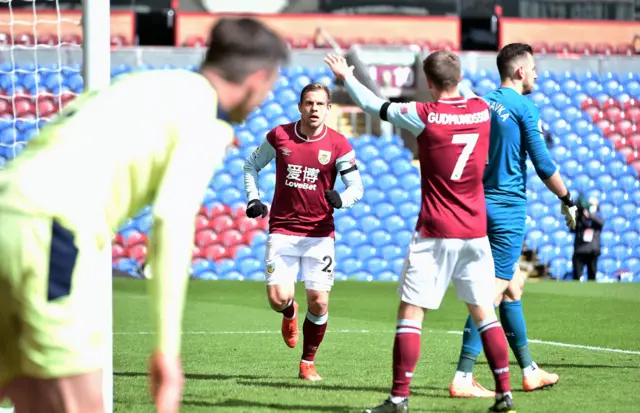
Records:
x=516, y=130
x=150, y=138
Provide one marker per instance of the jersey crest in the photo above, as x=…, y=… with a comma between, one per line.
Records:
x=324, y=157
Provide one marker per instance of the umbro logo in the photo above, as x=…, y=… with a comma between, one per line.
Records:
x=286, y=151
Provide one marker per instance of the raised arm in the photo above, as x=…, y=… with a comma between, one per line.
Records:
x=404, y=115
x=199, y=150
x=466, y=91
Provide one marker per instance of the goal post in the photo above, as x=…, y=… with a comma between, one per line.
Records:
x=96, y=70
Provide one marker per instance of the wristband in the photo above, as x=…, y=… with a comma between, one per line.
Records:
x=567, y=200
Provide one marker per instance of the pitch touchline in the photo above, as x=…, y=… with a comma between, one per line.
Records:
x=548, y=343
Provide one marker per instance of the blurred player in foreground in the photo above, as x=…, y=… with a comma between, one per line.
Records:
x=516, y=130
x=150, y=138
x=309, y=155
x=450, y=241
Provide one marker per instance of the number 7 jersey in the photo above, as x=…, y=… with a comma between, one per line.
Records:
x=452, y=148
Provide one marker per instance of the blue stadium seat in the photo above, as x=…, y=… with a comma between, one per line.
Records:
x=628, y=182
x=537, y=210
x=365, y=252
x=548, y=223
x=534, y=238
x=619, y=223
x=630, y=238
x=571, y=168
x=607, y=265
x=629, y=210
x=607, y=210
x=384, y=209
x=632, y=264
x=381, y=237
x=608, y=238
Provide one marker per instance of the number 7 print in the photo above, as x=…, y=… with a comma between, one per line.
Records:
x=469, y=140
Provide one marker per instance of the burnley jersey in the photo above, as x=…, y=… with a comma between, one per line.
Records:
x=306, y=166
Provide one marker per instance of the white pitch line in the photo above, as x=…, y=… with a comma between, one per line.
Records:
x=544, y=342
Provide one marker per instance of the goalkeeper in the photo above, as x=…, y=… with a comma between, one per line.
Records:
x=516, y=130
x=150, y=138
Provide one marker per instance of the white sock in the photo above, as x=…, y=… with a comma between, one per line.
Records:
x=501, y=395
x=397, y=399
x=529, y=369
x=462, y=377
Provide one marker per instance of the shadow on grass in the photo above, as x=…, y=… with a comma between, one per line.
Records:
x=340, y=387
x=194, y=376
x=575, y=366
x=284, y=407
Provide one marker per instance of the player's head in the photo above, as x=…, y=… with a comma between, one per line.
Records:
x=516, y=64
x=245, y=55
x=442, y=69
x=314, y=104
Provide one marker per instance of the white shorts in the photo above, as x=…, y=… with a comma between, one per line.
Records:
x=287, y=255
x=431, y=263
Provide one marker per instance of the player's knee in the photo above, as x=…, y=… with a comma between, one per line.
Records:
x=318, y=302
x=408, y=311
x=278, y=298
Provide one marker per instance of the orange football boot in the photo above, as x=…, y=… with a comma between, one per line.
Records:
x=459, y=388
x=289, y=330
x=308, y=372
x=539, y=379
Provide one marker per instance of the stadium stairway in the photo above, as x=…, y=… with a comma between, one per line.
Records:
x=593, y=121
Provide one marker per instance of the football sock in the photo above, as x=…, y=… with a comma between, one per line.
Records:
x=512, y=319
x=406, y=352
x=289, y=310
x=471, y=347
x=313, y=331
x=497, y=351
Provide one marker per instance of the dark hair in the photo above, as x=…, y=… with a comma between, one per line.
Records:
x=508, y=55
x=242, y=46
x=442, y=68
x=313, y=87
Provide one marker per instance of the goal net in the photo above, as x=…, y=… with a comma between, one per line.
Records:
x=40, y=46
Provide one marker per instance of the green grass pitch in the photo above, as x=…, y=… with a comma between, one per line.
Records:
x=236, y=361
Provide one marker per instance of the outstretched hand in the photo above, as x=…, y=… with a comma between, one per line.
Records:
x=338, y=66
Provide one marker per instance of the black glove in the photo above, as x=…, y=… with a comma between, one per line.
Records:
x=334, y=198
x=256, y=208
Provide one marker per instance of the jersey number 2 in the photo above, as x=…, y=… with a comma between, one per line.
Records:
x=469, y=140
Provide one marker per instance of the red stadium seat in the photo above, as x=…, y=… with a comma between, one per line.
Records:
x=634, y=140
x=48, y=39
x=25, y=39
x=118, y=251
x=198, y=253
x=611, y=103
x=561, y=48
x=603, y=48
x=134, y=238
x=231, y=237
x=633, y=156
x=118, y=239
x=626, y=150
x=218, y=209
x=602, y=122
x=6, y=107
x=631, y=103
x=636, y=165
x=72, y=39
x=540, y=47
x=248, y=236
x=590, y=103
x=240, y=213
x=216, y=252
x=583, y=48
x=624, y=127
x=46, y=106
x=24, y=108
x=624, y=49
x=612, y=113
x=616, y=138
x=247, y=224
x=221, y=223
x=138, y=252
x=6, y=39
x=118, y=40
x=202, y=222
x=195, y=41
x=206, y=237
x=422, y=43
x=445, y=45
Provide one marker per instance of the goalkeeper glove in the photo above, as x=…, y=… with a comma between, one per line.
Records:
x=569, y=210
x=256, y=208
x=333, y=197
